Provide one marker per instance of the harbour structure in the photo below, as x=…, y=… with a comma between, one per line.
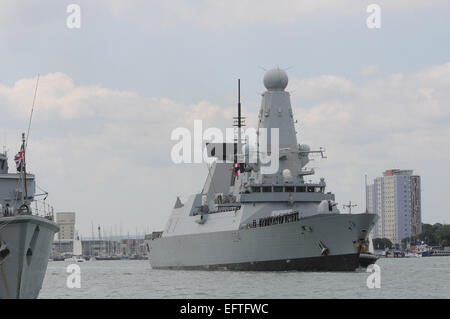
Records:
x=123, y=246
x=90, y=247
x=66, y=223
x=396, y=198
x=100, y=248
x=62, y=247
x=250, y=218
x=133, y=247
x=27, y=229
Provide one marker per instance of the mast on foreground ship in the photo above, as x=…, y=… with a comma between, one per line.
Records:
x=26, y=233
x=257, y=221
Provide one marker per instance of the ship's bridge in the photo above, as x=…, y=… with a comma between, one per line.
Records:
x=3, y=163
x=305, y=188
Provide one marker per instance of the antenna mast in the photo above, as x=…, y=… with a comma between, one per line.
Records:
x=32, y=109
x=239, y=115
x=25, y=142
x=239, y=122
x=349, y=206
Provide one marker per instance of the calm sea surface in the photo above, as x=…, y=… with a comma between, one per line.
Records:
x=400, y=278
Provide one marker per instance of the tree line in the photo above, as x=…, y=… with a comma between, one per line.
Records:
x=433, y=235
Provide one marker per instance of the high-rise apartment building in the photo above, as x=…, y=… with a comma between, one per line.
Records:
x=395, y=198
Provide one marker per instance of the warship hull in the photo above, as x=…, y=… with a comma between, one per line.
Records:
x=26, y=242
x=367, y=259
x=290, y=246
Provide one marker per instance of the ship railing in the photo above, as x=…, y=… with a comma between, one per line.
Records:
x=35, y=208
x=43, y=209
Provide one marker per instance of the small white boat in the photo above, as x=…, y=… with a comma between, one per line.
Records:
x=75, y=259
x=423, y=250
x=77, y=251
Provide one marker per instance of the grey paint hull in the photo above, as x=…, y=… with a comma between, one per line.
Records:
x=29, y=240
x=367, y=259
x=289, y=246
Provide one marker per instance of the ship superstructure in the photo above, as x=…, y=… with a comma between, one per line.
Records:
x=27, y=230
x=248, y=219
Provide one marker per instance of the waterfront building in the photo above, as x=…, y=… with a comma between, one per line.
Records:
x=96, y=247
x=66, y=223
x=133, y=246
x=62, y=247
x=396, y=198
x=91, y=247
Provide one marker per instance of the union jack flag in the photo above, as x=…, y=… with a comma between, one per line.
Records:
x=236, y=169
x=19, y=159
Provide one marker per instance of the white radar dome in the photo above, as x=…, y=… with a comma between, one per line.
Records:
x=275, y=79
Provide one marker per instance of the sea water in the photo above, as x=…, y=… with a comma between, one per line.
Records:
x=427, y=277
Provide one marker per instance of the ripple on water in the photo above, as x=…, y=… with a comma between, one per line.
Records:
x=400, y=278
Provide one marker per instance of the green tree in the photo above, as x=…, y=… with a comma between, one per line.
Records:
x=409, y=240
x=382, y=243
x=428, y=234
x=443, y=234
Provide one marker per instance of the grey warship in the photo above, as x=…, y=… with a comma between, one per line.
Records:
x=247, y=220
x=27, y=230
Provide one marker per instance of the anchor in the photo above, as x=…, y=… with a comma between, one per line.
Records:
x=324, y=251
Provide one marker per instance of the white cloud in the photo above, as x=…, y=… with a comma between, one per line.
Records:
x=108, y=147
x=399, y=121
x=369, y=70
x=234, y=13
x=106, y=153
x=383, y=105
x=215, y=14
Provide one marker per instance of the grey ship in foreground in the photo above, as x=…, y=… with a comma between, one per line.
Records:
x=26, y=235
x=260, y=221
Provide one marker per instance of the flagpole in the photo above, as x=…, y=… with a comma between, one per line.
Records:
x=24, y=169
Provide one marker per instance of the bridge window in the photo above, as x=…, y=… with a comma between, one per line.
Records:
x=278, y=189
x=256, y=189
x=300, y=189
x=289, y=189
x=310, y=189
x=267, y=189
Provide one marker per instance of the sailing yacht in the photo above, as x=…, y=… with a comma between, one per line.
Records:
x=77, y=255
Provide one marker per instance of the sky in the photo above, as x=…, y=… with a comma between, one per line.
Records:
x=112, y=91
